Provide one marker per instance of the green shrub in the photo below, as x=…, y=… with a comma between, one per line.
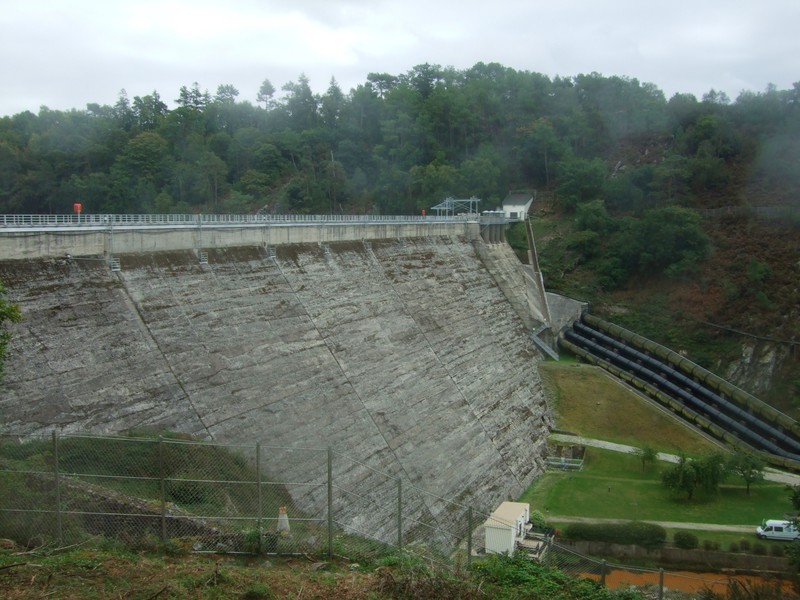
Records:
x=648, y=535
x=685, y=540
x=538, y=520
x=733, y=547
x=745, y=545
x=776, y=550
x=759, y=548
x=710, y=545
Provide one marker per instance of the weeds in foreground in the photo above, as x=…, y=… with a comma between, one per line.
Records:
x=114, y=572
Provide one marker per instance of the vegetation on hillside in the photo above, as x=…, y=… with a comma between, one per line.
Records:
x=117, y=573
x=399, y=143
x=629, y=177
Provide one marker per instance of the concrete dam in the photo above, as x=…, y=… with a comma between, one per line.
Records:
x=404, y=353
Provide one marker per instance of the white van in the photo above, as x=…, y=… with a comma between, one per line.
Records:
x=777, y=530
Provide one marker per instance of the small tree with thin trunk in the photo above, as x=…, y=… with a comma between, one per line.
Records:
x=647, y=455
x=747, y=466
x=265, y=93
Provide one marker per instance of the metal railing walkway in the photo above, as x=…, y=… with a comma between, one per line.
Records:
x=38, y=222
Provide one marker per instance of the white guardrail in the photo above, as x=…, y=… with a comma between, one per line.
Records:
x=111, y=220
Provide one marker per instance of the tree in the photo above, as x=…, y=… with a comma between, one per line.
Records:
x=226, y=94
x=149, y=110
x=146, y=156
x=382, y=83
x=301, y=103
x=747, y=466
x=715, y=97
x=581, y=180
x=794, y=497
x=646, y=455
x=671, y=239
x=687, y=475
x=193, y=98
x=265, y=93
x=331, y=104
x=540, y=146
x=122, y=110
x=9, y=313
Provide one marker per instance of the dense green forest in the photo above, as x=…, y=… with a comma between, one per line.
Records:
x=400, y=143
x=625, y=178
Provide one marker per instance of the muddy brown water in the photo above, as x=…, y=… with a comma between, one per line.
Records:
x=690, y=581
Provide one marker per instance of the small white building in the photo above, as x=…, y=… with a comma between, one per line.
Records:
x=505, y=526
x=517, y=205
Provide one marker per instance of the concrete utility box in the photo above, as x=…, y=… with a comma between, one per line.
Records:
x=505, y=526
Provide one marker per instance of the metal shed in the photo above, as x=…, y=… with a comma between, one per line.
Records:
x=507, y=524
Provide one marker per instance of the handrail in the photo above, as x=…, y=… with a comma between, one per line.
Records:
x=198, y=220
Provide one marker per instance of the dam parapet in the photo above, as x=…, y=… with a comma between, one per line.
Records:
x=39, y=236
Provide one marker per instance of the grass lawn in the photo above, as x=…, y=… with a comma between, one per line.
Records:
x=613, y=486
x=589, y=403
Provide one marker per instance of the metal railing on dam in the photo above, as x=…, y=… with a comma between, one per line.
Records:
x=38, y=236
x=37, y=222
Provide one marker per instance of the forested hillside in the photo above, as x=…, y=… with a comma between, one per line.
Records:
x=625, y=181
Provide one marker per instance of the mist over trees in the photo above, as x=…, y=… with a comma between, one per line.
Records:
x=628, y=164
x=399, y=143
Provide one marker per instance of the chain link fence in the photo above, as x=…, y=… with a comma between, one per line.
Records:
x=664, y=584
x=208, y=497
x=192, y=496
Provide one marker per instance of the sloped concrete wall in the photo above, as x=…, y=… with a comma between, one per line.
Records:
x=403, y=354
x=520, y=284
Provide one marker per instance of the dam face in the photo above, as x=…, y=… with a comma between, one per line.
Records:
x=402, y=354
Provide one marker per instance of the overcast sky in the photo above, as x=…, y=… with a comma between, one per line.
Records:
x=64, y=54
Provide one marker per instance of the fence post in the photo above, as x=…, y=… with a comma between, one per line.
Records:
x=59, y=530
x=330, y=503
x=163, y=491
x=469, y=537
x=399, y=513
x=661, y=584
x=258, y=483
x=603, y=572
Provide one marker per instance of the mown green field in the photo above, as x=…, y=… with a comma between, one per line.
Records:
x=588, y=402
x=613, y=485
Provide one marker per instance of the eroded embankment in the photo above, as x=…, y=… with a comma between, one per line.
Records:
x=403, y=355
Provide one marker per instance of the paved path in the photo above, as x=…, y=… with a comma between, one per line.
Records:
x=769, y=474
x=668, y=524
